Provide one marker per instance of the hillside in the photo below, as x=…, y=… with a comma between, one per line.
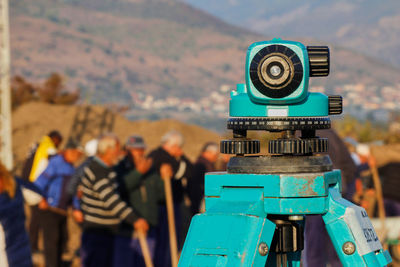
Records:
x=124, y=50
x=33, y=120
x=371, y=27
x=112, y=48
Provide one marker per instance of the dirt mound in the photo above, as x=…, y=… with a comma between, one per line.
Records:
x=386, y=154
x=33, y=120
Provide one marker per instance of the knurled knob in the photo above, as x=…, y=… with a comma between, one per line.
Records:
x=318, y=57
x=335, y=104
x=298, y=146
x=240, y=146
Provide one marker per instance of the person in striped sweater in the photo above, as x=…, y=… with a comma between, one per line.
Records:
x=102, y=206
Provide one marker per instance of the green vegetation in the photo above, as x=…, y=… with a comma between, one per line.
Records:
x=52, y=91
x=366, y=131
x=226, y=67
x=70, y=72
x=132, y=77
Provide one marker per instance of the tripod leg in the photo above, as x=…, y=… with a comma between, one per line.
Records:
x=227, y=240
x=352, y=233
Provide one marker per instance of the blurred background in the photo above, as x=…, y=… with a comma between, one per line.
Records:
x=157, y=59
x=85, y=67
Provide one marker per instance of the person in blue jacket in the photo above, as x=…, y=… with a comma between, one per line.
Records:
x=14, y=241
x=53, y=220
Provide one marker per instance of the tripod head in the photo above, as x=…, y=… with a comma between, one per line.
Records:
x=275, y=98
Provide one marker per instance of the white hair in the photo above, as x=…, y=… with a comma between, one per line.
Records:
x=91, y=147
x=363, y=150
x=172, y=138
x=106, y=141
x=212, y=147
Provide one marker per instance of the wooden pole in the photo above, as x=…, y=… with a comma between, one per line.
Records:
x=379, y=195
x=171, y=222
x=145, y=249
x=58, y=211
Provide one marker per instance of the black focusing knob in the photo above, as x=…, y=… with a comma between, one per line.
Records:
x=298, y=146
x=318, y=57
x=240, y=146
x=335, y=104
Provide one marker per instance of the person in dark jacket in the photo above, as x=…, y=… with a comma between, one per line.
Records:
x=52, y=182
x=205, y=163
x=170, y=152
x=319, y=250
x=143, y=191
x=102, y=207
x=14, y=241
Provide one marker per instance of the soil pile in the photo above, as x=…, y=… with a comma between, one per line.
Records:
x=33, y=120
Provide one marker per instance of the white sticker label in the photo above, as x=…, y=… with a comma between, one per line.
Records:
x=277, y=112
x=364, y=233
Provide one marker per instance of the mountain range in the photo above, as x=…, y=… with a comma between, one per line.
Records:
x=114, y=50
x=371, y=27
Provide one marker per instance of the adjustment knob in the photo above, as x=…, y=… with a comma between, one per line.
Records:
x=335, y=103
x=318, y=56
x=298, y=146
x=240, y=146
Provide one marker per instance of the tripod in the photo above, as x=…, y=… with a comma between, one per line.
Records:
x=256, y=211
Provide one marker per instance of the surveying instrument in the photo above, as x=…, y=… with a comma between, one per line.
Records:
x=256, y=211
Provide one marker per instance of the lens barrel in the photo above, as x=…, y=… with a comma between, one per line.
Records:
x=319, y=60
x=276, y=71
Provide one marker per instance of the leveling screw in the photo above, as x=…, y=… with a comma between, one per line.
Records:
x=296, y=218
x=263, y=249
x=349, y=248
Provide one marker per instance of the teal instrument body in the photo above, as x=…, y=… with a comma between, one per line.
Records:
x=235, y=222
x=313, y=105
x=255, y=212
x=248, y=101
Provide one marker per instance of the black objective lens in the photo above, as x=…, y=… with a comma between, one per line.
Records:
x=276, y=71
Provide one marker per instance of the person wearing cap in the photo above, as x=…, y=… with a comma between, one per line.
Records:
x=72, y=187
x=205, y=163
x=53, y=216
x=142, y=190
